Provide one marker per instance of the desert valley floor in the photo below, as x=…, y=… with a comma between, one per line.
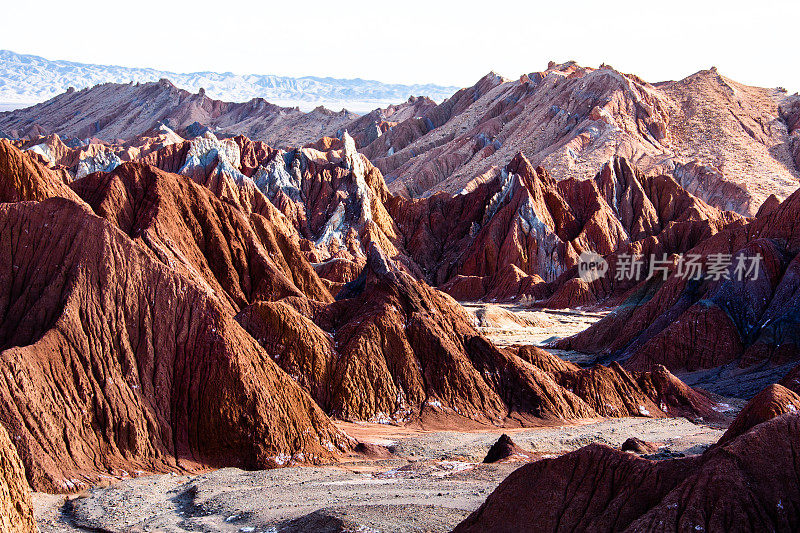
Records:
x=407, y=479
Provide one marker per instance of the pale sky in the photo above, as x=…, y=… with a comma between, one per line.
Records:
x=450, y=43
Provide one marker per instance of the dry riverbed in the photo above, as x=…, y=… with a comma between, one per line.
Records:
x=507, y=324
x=432, y=482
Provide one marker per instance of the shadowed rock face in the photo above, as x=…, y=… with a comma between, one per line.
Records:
x=748, y=482
x=685, y=324
x=16, y=510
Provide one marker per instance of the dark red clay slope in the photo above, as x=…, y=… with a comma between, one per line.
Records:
x=771, y=402
x=749, y=483
x=16, y=509
x=392, y=348
x=242, y=257
x=613, y=391
x=23, y=177
x=704, y=324
x=113, y=362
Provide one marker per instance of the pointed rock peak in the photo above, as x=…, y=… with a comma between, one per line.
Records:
x=377, y=266
x=54, y=139
x=206, y=152
x=488, y=82
x=620, y=162
x=378, y=263
x=164, y=82
x=421, y=100
x=505, y=448
x=195, y=129
x=617, y=169
x=520, y=165
x=711, y=75
x=769, y=206
x=569, y=67
x=354, y=162
x=350, y=156
x=774, y=401
x=493, y=76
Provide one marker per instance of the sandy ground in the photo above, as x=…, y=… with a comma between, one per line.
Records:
x=544, y=325
x=433, y=481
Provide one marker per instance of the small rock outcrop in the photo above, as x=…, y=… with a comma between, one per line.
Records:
x=505, y=449
x=639, y=446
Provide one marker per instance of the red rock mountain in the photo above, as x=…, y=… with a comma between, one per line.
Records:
x=727, y=143
x=114, y=111
x=502, y=240
x=747, y=482
x=110, y=346
x=392, y=349
x=506, y=237
x=702, y=324
x=155, y=322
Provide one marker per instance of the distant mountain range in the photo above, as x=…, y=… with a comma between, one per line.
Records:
x=29, y=79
